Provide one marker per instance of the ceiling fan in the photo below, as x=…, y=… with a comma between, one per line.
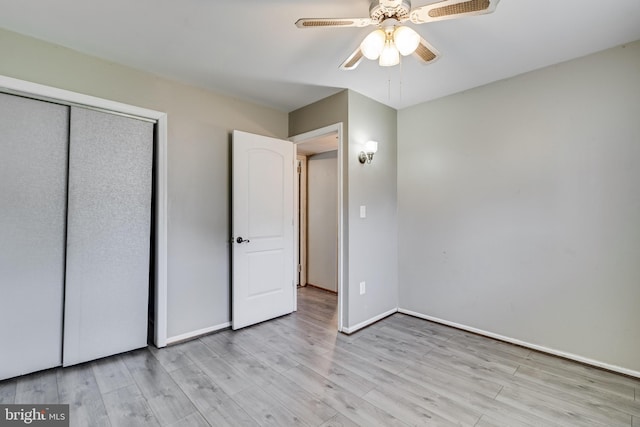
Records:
x=393, y=39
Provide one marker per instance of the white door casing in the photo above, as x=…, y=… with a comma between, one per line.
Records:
x=301, y=217
x=263, y=258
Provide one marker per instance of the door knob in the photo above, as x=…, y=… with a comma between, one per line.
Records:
x=241, y=240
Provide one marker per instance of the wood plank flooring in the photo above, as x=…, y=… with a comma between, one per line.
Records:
x=298, y=371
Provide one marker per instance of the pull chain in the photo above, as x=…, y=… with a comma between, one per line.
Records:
x=400, y=87
x=399, y=84
x=389, y=83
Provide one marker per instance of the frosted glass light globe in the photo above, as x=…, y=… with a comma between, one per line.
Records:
x=406, y=40
x=389, y=56
x=371, y=147
x=373, y=44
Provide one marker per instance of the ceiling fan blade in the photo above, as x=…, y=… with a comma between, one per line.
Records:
x=333, y=22
x=353, y=60
x=449, y=9
x=425, y=52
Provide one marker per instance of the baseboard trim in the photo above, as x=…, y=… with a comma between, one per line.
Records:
x=559, y=353
x=368, y=322
x=321, y=288
x=191, y=335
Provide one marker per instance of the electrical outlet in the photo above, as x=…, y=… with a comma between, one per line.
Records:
x=363, y=288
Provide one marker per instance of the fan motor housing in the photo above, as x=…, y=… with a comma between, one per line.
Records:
x=383, y=9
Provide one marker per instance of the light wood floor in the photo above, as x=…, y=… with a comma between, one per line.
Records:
x=297, y=370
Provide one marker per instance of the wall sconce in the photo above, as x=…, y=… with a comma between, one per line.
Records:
x=370, y=148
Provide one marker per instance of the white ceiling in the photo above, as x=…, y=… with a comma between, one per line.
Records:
x=251, y=49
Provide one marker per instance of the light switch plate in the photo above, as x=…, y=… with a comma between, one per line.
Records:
x=363, y=211
x=363, y=288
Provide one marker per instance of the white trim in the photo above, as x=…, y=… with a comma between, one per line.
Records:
x=369, y=322
x=297, y=139
x=198, y=333
x=21, y=87
x=543, y=349
x=66, y=96
x=296, y=225
x=162, y=233
x=301, y=217
x=341, y=213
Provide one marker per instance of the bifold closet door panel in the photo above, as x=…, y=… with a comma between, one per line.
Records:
x=33, y=199
x=108, y=235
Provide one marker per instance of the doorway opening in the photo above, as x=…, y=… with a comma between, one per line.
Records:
x=319, y=212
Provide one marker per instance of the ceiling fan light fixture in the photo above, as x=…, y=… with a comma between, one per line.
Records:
x=373, y=44
x=392, y=38
x=406, y=40
x=390, y=55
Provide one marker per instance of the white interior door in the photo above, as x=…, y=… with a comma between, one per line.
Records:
x=263, y=256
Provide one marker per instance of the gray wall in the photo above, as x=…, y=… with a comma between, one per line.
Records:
x=371, y=243
x=373, y=248
x=519, y=205
x=322, y=220
x=198, y=154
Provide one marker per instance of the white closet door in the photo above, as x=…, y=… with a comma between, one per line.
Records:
x=33, y=198
x=108, y=235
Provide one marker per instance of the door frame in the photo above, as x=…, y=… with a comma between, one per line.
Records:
x=301, y=232
x=303, y=137
x=47, y=93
